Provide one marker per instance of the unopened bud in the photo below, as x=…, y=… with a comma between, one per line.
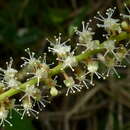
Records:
x=124, y=25
x=53, y=91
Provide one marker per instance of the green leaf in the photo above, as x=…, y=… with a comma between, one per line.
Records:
x=18, y=124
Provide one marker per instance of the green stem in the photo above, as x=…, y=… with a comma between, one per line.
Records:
x=13, y=91
x=57, y=69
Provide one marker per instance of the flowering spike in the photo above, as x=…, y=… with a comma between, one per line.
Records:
x=39, y=71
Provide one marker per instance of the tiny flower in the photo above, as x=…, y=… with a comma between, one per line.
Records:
x=40, y=73
x=59, y=48
x=92, y=69
x=109, y=23
x=32, y=61
x=111, y=63
x=9, y=73
x=30, y=92
x=90, y=45
x=69, y=61
x=72, y=86
x=122, y=54
x=12, y=83
x=3, y=116
x=40, y=100
x=109, y=45
x=28, y=109
x=82, y=79
x=86, y=34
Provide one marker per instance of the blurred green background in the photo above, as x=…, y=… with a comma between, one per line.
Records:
x=27, y=23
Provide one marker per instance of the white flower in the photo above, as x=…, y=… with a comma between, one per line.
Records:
x=30, y=92
x=82, y=79
x=40, y=100
x=28, y=109
x=111, y=63
x=40, y=73
x=72, y=86
x=70, y=61
x=3, y=116
x=90, y=45
x=122, y=54
x=109, y=45
x=92, y=69
x=9, y=73
x=109, y=23
x=32, y=61
x=12, y=83
x=59, y=48
x=86, y=38
x=86, y=34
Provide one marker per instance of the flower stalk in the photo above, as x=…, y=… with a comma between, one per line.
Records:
x=58, y=68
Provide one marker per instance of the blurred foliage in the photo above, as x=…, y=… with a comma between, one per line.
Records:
x=27, y=21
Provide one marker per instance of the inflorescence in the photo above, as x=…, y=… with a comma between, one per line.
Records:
x=84, y=71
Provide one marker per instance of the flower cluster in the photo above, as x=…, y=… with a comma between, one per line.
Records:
x=77, y=70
